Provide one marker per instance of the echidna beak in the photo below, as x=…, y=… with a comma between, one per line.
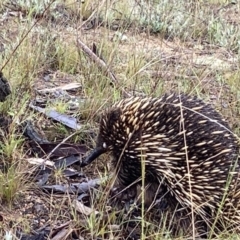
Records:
x=93, y=155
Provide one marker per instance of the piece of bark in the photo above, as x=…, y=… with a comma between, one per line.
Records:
x=4, y=88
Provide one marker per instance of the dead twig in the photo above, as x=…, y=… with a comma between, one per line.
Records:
x=102, y=65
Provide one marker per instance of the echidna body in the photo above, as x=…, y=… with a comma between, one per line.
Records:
x=185, y=146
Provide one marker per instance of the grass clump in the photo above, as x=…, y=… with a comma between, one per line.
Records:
x=12, y=184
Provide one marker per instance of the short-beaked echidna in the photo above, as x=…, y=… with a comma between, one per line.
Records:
x=186, y=147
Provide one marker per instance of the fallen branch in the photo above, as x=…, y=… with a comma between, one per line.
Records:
x=102, y=65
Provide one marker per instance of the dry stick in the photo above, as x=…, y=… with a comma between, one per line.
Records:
x=102, y=65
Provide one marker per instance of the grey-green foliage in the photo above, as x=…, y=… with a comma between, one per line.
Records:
x=37, y=6
x=225, y=34
x=185, y=20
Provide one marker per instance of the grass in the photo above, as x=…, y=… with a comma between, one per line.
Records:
x=168, y=45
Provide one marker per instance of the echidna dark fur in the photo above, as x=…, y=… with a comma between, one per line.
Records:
x=186, y=147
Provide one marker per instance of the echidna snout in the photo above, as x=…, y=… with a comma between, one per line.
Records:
x=94, y=154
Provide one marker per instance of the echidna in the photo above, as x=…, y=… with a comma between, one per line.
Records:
x=186, y=147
